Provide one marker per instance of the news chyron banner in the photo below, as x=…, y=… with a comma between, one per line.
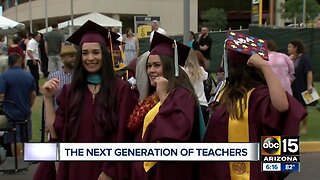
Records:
x=142, y=152
x=280, y=153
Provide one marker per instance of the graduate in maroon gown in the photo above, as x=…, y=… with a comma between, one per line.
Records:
x=168, y=114
x=266, y=110
x=119, y=67
x=95, y=107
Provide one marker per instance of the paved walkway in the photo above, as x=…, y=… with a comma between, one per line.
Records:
x=310, y=170
x=24, y=175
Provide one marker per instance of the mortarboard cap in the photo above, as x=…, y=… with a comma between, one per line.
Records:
x=163, y=45
x=116, y=45
x=93, y=32
x=241, y=46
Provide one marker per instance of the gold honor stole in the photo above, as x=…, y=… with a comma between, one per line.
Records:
x=121, y=66
x=147, y=120
x=239, y=170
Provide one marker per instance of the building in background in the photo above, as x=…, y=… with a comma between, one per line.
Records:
x=170, y=11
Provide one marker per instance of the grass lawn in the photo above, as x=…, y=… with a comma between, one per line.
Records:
x=37, y=116
x=312, y=135
x=313, y=121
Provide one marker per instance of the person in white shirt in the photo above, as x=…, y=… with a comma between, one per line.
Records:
x=156, y=27
x=197, y=75
x=33, y=58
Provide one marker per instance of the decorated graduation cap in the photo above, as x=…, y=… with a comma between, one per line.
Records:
x=163, y=45
x=239, y=47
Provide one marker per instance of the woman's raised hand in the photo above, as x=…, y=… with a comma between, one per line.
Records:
x=50, y=87
x=256, y=61
x=162, y=87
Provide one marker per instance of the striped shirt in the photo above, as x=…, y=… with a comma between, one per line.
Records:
x=64, y=78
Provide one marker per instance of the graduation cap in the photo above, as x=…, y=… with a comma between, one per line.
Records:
x=93, y=32
x=117, y=46
x=246, y=44
x=163, y=45
x=239, y=48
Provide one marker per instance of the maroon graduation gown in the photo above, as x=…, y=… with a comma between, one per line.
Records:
x=264, y=120
x=126, y=100
x=175, y=122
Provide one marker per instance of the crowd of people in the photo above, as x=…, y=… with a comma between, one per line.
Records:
x=99, y=89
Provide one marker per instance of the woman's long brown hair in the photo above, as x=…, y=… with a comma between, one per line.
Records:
x=105, y=120
x=241, y=79
x=181, y=81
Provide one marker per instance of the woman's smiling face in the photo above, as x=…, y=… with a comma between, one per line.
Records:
x=91, y=57
x=154, y=68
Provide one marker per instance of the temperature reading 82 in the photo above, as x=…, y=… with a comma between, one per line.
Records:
x=289, y=166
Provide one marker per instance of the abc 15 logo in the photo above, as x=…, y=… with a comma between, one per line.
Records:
x=280, y=145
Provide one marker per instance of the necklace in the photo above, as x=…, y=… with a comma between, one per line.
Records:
x=94, y=92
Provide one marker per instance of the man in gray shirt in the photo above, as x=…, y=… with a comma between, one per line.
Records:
x=54, y=40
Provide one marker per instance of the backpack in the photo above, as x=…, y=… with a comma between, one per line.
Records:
x=209, y=85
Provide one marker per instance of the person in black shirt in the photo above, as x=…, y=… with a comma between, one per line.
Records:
x=205, y=43
x=203, y=47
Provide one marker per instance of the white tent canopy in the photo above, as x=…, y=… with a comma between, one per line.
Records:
x=9, y=26
x=98, y=18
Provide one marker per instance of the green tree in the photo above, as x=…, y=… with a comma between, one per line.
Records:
x=293, y=9
x=214, y=19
